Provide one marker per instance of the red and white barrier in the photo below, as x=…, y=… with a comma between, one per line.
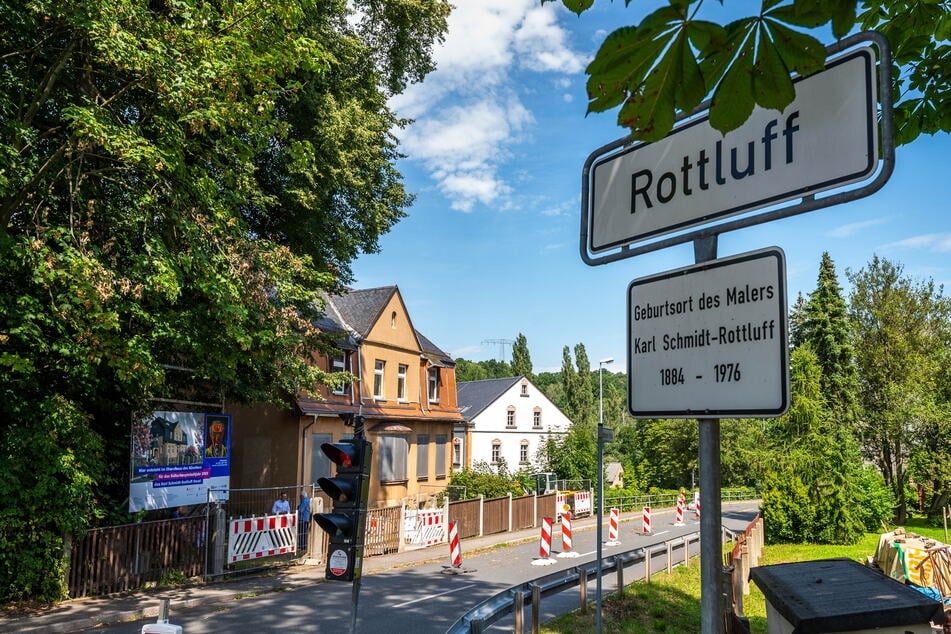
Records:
x=544, y=545
x=646, y=521
x=262, y=537
x=681, y=502
x=566, y=546
x=455, y=549
x=424, y=527
x=583, y=503
x=613, y=528
x=697, y=510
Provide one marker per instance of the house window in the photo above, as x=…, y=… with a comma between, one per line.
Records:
x=378, y=368
x=394, y=450
x=510, y=417
x=537, y=419
x=524, y=389
x=393, y=319
x=401, y=382
x=319, y=462
x=422, y=456
x=341, y=363
x=496, y=451
x=456, y=452
x=440, y=456
x=523, y=452
x=433, y=385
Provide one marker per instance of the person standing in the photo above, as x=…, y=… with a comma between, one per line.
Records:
x=303, y=521
x=281, y=505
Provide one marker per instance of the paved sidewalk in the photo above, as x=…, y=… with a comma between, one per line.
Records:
x=83, y=614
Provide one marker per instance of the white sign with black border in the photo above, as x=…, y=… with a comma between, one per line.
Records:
x=710, y=340
x=825, y=139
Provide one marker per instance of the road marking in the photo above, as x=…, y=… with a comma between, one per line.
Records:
x=432, y=596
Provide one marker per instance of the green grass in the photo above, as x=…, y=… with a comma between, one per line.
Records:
x=671, y=604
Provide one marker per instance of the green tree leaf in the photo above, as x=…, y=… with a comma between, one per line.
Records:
x=734, y=99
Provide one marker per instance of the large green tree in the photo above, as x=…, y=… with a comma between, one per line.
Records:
x=670, y=61
x=827, y=329
x=179, y=181
x=901, y=334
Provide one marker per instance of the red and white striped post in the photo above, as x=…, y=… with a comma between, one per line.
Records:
x=681, y=502
x=646, y=521
x=544, y=545
x=566, y=550
x=697, y=512
x=613, y=528
x=455, y=549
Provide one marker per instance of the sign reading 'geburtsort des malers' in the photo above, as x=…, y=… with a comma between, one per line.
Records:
x=709, y=340
x=826, y=138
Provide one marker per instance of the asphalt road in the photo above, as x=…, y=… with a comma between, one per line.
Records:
x=423, y=599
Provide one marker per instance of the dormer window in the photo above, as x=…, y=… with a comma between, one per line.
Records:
x=341, y=363
x=433, y=376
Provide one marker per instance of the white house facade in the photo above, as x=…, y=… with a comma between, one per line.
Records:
x=505, y=419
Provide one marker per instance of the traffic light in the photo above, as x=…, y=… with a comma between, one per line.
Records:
x=346, y=524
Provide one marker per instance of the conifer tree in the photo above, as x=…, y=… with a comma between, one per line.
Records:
x=521, y=359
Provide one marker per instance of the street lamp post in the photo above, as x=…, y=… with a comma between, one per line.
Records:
x=597, y=593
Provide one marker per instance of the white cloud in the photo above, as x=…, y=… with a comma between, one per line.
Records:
x=468, y=114
x=848, y=230
x=940, y=242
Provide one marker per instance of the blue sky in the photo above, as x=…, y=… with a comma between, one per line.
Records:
x=491, y=245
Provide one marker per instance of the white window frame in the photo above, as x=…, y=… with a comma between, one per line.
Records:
x=456, y=452
x=401, y=372
x=432, y=379
x=510, y=418
x=537, y=419
x=379, y=373
x=496, y=451
x=523, y=452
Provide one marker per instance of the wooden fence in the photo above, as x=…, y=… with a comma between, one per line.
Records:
x=119, y=558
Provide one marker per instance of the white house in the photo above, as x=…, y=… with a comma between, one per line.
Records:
x=504, y=419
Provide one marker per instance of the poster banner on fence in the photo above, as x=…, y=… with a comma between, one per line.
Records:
x=177, y=457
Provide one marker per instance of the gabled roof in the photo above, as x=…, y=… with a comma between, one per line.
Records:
x=358, y=310
x=474, y=396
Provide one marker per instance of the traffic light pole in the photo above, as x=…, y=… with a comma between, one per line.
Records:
x=346, y=523
x=355, y=589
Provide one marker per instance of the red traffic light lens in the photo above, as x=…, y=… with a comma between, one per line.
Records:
x=343, y=455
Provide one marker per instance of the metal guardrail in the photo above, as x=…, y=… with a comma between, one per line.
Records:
x=662, y=500
x=514, y=598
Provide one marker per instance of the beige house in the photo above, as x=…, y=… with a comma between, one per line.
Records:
x=405, y=391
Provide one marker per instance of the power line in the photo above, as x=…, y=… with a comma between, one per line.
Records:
x=501, y=343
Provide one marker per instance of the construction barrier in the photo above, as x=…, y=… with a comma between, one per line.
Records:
x=561, y=505
x=544, y=545
x=696, y=511
x=455, y=549
x=425, y=527
x=583, y=504
x=646, y=521
x=613, y=528
x=566, y=550
x=262, y=537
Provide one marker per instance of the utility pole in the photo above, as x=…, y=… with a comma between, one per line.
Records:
x=501, y=343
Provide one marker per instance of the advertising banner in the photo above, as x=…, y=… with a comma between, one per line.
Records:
x=177, y=457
